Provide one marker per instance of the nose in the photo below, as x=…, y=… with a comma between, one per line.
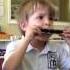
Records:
x=47, y=23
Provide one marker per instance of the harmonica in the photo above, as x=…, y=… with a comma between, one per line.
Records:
x=52, y=31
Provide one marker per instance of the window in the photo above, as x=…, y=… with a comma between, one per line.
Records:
x=12, y=9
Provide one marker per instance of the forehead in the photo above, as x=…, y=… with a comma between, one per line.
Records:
x=40, y=9
x=39, y=12
x=40, y=6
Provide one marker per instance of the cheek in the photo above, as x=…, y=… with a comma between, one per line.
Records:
x=35, y=22
x=51, y=23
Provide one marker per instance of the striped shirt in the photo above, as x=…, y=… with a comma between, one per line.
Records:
x=55, y=56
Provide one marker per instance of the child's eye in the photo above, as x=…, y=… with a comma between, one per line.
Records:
x=40, y=17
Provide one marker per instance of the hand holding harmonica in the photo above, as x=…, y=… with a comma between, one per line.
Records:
x=66, y=35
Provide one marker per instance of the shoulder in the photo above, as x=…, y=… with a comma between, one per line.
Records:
x=63, y=46
x=12, y=44
x=10, y=48
x=60, y=46
x=63, y=50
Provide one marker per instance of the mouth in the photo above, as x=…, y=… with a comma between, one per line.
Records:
x=47, y=33
x=44, y=35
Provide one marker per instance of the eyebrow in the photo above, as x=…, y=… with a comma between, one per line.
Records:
x=43, y=14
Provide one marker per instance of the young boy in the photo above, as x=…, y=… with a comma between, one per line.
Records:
x=33, y=51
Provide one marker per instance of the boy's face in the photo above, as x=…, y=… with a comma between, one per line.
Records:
x=40, y=18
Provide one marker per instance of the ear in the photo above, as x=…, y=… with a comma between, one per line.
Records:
x=23, y=25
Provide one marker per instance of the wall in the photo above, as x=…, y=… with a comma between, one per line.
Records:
x=64, y=10
x=9, y=28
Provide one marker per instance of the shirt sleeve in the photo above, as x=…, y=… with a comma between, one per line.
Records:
x=10, y=49
x=64, y=57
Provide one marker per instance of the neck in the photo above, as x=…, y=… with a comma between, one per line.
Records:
x=38, y=44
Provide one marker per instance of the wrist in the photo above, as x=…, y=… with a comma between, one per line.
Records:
x=28, y=38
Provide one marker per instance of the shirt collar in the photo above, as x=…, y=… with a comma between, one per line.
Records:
x=44, y=51
x=29, y=48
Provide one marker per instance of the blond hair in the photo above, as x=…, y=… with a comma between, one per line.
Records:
x=27, y=8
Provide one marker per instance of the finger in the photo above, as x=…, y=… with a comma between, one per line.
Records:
x=67, y=29
x=66, y=32
x=66, y=35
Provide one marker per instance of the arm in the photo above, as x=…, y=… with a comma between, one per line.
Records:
x=17, y=56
